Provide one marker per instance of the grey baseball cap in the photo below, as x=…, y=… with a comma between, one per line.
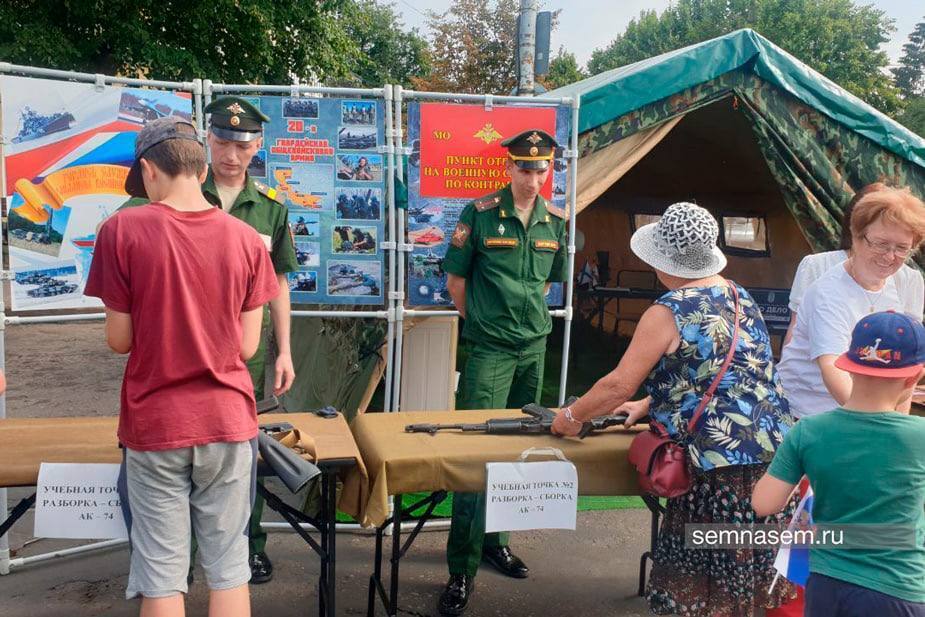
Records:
x=156, y=132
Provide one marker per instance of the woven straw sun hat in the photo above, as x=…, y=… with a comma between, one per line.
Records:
x=682, y=243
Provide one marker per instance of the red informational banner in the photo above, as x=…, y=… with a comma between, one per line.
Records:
x=461, y=153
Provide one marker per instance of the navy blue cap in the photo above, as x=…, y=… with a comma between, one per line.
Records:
x=886, y=344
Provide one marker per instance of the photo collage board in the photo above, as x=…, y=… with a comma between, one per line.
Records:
x=322, y=155
x=456, y=157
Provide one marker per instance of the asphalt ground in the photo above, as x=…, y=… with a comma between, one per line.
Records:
x=591, y=572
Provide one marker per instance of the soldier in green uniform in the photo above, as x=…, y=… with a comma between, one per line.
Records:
x=505, y=251
x=235, y=135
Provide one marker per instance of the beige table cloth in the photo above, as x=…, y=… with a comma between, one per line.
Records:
x=398, y=462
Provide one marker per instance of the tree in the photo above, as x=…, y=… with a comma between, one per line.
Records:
x=231, y=41
x=473, y=48
x=838, y=38
x=387, y=53
x=913, y=116
x=910, y=74
x=563, y=70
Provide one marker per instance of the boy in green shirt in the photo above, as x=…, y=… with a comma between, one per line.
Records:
x=866, y=464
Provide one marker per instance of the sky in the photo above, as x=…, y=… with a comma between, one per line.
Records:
x=585, y=25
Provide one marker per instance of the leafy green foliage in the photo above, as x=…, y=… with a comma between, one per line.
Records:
x=563, y=70
x=910, y=74
x=386, y=52
x=473, y=48
x=838, y=38
x=231, y=41
x=913, y=116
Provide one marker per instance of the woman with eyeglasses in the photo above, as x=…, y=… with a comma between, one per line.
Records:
x=908, y=280
x=886, y=225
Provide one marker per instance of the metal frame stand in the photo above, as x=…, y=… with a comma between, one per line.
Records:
x=657, y=510
x=400, y=96
x=396, y=247
x=18, y=511
x=376, y=587
x=325, y=524
x=201, y=91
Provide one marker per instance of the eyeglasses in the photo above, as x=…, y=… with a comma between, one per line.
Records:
x=882, y=248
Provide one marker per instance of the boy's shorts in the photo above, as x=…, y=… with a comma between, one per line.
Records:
x=831, y=597
x=164, y=492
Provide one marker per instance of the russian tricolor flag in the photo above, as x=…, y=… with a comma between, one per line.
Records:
x=793, y=562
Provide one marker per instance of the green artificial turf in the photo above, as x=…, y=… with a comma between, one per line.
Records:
x=585, y=504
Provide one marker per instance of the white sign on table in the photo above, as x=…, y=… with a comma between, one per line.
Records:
x=78, y=501
x=540, y=495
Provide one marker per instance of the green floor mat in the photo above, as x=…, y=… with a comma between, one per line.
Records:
x=585, y=504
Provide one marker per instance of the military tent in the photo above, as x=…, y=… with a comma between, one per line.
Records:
x=771, y=147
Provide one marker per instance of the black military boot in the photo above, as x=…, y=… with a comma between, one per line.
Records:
x=506, y=562
x=456, y=595
x=261, y=568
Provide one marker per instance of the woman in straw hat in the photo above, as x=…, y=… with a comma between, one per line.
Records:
x=679, y=345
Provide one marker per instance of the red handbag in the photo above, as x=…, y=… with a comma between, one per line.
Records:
x=662, y=463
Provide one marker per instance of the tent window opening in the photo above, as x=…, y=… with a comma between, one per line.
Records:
x=639, y=219
x=745, y=236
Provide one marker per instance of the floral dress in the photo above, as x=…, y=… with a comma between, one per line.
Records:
x=730, y=448
x=748, y=417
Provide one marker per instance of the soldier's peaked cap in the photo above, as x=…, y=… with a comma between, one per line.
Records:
x=532, y=149
x=235, y=118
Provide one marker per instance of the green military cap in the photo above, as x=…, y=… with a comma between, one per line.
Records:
x=532, y=149
x=235, y=118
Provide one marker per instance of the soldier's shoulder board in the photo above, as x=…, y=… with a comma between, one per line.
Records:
x=272, y=193
x=487, y=203
x=556, y=211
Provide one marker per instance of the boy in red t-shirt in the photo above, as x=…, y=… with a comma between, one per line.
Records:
x=184, y=284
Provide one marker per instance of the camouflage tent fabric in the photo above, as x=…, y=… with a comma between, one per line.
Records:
x=820, y=142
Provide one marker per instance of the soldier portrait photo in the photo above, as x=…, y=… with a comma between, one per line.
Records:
x=359, y=168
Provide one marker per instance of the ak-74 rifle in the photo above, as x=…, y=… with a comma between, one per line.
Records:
x=537, y=420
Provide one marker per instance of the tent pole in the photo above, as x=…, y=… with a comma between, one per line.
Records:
x=572, y=215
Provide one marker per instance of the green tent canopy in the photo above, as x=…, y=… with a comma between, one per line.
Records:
x=820, y=142
x=609, y=95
